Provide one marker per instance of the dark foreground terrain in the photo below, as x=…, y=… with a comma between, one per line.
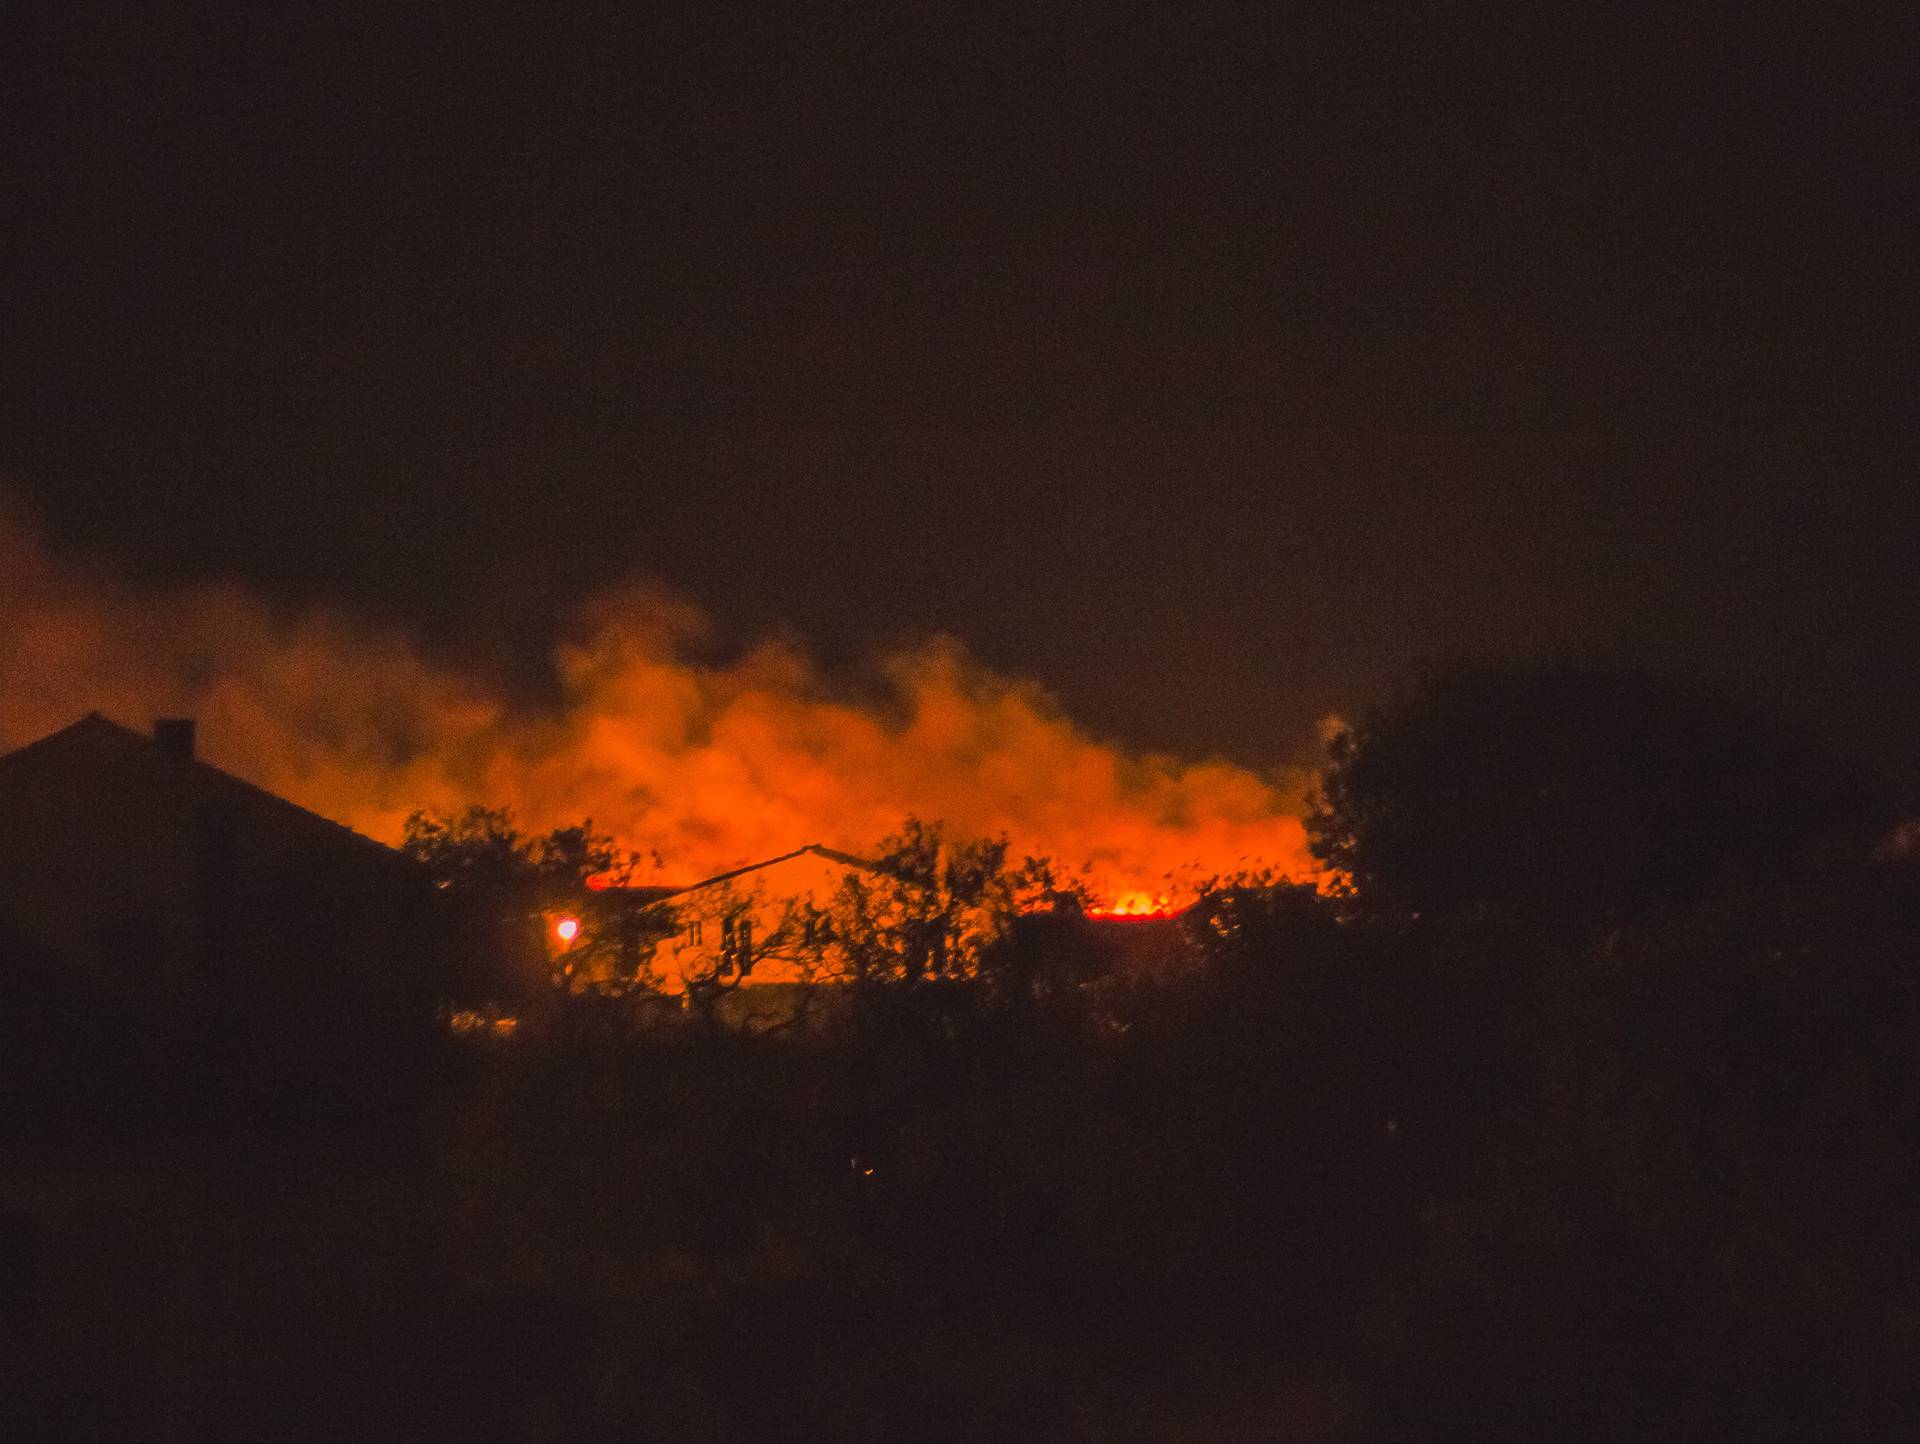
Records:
x=1333, y=1188
x=1590, y=1109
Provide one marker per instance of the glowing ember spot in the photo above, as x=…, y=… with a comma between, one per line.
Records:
x=567, y=929
x=469, y=1022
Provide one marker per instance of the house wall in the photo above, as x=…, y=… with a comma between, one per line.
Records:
x=240, y=923
x=316, y=946
x=98, y=869
x=762, y=897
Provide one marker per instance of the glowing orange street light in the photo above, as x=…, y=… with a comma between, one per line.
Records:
x=567, y=929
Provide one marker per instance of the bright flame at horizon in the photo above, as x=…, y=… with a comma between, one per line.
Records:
x=1136, y=904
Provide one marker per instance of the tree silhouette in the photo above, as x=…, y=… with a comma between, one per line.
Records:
x=933, y=910
x=1575, y=797
x=500, y=885
x=482, y=850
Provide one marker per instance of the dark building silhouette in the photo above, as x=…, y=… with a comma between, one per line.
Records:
x=255, y=942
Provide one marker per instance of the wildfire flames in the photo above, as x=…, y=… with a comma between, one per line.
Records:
x=1138, y=905
x=703, y=766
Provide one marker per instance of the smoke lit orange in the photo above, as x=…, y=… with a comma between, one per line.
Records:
x=700, y=767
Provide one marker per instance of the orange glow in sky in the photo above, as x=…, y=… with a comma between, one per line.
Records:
x=698, y=766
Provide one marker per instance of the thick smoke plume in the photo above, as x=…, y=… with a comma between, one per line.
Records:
x=705, y=765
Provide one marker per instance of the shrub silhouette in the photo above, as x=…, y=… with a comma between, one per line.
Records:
x=1572, y=797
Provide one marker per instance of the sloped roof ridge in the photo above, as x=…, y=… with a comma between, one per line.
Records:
x=92, y=721
x=100, y=722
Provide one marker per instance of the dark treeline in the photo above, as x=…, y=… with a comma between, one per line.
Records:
x=1584, y=1107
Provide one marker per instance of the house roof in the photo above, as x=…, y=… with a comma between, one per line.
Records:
x=96, y=730
x=649, y=895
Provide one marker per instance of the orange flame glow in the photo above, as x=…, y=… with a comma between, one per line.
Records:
x=706, y=765
x=1135, y=904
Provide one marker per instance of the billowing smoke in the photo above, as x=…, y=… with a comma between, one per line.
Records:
x=705, y=765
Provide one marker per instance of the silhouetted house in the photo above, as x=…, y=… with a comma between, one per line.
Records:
x=261, y=946
x=757, y=941
x=717, y=929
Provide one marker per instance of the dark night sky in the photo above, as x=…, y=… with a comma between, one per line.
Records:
x=1211, y=368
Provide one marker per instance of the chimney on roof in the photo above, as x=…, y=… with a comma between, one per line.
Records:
x=174, y=736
